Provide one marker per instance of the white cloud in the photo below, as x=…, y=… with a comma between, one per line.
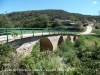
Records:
x=95, y=2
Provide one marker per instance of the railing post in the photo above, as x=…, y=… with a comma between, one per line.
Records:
x=39, y=30
x=54, y=30
x=42, y=32
x=7, y=34
x=49, y=31
x=24, y=30
x=21, y=34
x=33, y=32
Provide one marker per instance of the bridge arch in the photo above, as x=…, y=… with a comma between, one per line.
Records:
x=60, y=40
x=45, y=44
x=74, y=38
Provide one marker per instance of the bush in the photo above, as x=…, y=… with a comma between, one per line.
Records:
x=44, y=62
x=6, y=52
x=97, y=31
x=97, y=26
x=76, y=58
x=80, y=42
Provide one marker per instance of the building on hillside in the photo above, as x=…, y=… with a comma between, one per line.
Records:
x=73, y=23
x=65, y=22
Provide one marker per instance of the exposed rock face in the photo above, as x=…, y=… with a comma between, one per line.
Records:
x=26, y=48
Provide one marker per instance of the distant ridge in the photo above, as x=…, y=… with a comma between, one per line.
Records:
x=27, y=16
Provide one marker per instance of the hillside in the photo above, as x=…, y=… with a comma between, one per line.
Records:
x=27, y=18
x=21, y=17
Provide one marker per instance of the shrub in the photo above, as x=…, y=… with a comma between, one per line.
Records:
x=6, y=52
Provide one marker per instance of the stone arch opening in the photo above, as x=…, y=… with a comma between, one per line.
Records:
x=60, y=40
x=45, y=44
x=74, y=38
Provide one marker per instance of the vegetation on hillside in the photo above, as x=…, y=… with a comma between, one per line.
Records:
x=5, y=22
x=58, y=19
x=45, y=18
x=6, y=54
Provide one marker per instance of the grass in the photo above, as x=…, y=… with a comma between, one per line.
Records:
x=90, y=40
x=97, y=31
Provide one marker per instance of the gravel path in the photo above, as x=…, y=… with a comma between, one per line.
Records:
x=88, y=30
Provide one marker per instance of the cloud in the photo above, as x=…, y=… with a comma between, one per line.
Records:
x=95, y=2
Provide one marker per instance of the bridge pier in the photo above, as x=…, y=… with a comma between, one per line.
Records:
x=74, y=38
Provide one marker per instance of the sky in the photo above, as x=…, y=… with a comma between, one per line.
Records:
x=86, y=7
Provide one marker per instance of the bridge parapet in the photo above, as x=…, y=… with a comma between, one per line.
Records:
x=19, y=33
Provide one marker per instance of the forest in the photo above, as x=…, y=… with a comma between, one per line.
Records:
x=42, y=18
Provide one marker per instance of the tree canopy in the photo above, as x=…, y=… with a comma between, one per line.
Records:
x=42, y=18
x=5, y=22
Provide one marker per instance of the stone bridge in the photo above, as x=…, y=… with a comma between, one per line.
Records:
x=47, y=42
x=51, y=43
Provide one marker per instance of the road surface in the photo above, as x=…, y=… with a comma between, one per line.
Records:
x=88, y=30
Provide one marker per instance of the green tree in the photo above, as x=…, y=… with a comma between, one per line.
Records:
x=6, y=52
x=56, y=23
x=72, y=18
x=94, y=20
x=42, y=21
x=90, y=61
x=5, y=22
x=78, y=24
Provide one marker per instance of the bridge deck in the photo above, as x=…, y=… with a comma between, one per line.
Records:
x=9, y=37
x=6, y=33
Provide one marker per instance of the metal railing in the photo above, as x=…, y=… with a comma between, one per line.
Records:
x=22, y=31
